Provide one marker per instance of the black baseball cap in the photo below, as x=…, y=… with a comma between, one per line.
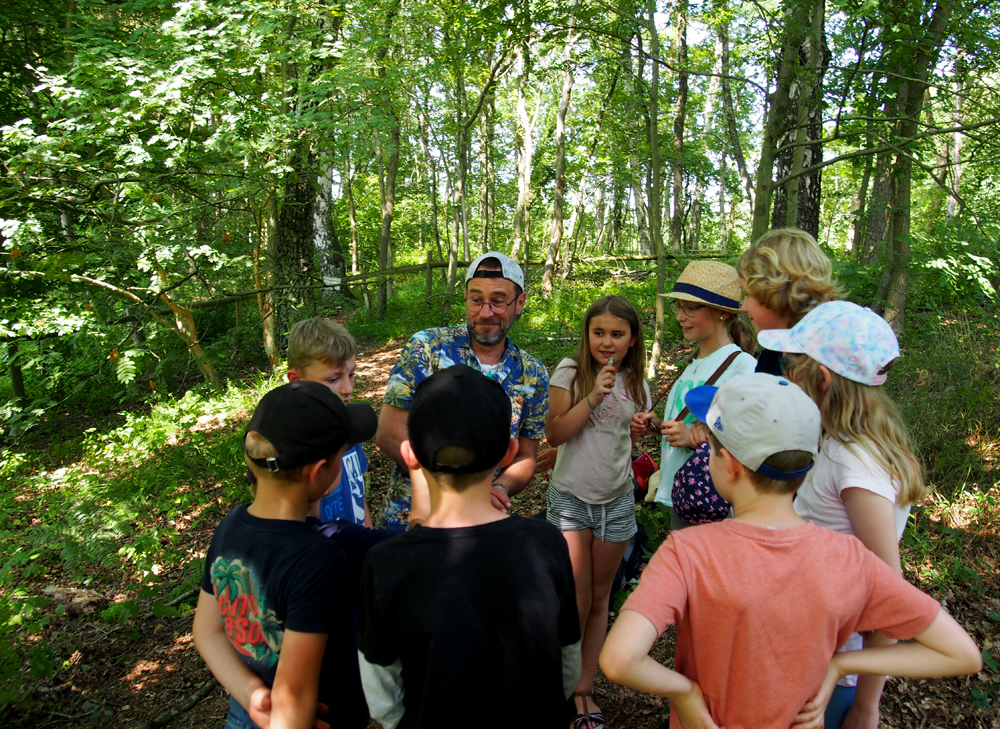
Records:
x=464, y=408
x=305, y=422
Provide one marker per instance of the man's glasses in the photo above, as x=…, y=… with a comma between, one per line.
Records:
x=474, y=304
x=688, y=309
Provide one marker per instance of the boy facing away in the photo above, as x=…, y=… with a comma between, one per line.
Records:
x=320, y=350
x=469, y=619
x=762, y=601
x=273, y=621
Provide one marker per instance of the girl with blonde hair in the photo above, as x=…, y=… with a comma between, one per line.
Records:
x=867, y=476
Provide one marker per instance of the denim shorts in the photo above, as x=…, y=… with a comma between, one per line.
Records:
x=238, y=717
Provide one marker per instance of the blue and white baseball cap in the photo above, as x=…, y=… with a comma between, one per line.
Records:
x=756, y=416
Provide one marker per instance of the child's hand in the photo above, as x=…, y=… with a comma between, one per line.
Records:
x=699, y=433
x=811, y=715
x=692, y=710
x=603, y=384
x=641, y=424
x=260, y=709
x=546, y=460
x=678, y=435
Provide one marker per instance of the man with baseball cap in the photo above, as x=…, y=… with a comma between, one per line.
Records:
x=274, y=620
x=472, y=604
x=763, y=601
x=494, y=300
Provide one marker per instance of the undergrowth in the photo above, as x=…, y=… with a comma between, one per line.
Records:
x=114, y=520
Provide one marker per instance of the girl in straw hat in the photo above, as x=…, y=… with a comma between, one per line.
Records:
x=706, y=299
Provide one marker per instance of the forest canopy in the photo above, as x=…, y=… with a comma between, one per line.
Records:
x=162, y=157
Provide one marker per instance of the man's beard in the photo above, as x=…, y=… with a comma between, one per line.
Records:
x=493, y=340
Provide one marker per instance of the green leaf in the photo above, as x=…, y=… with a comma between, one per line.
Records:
x=988, y=660
x=161, y=610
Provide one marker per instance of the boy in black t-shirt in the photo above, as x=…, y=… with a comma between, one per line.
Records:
x=273, y=621
x=469, y=619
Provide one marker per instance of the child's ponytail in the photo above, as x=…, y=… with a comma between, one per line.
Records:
x=742, y=335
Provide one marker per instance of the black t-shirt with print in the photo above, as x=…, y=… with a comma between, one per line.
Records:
x=273, y=575
x=478, y=617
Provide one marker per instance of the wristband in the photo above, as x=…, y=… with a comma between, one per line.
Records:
x=500, y=486
x=592, y=406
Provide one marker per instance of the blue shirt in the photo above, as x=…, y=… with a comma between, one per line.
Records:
x=348, y=501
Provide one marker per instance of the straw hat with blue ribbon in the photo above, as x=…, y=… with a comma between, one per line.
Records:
x=712, y=283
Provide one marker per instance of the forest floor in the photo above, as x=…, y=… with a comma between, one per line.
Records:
x=115, y=677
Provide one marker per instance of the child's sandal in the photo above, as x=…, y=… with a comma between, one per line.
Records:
x=585, y=720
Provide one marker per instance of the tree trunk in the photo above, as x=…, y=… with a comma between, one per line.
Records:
x=735, y=146
x=352, y=213
x=331, y=257
x=797, y=21
x=293, y=259
x=453, y=245
x=462, y=148
x=617, y=216
x=16, y=376
x=797, y=203
x=654, y=193
x=388, y=209
x=727, y=227
x=487, y=172
x=560, y=190
x=525, y=150
x=909, y=82
x=432, y=176
x=858, y=217
x=635, y=169
x=267, y=225
x=600, y=207
x=878, y=213
x=707, y=133
x=955, y=158
x=680, y=115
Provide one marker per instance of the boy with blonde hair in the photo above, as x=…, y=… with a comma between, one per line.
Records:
x=784, y=275
x=763, y=600
x=320, y=350
x=273, y=621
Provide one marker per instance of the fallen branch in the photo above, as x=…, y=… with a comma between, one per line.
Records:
x=176, y=601
x=186, y=705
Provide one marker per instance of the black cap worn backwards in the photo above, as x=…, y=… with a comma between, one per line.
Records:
x=306, y=422
x=463, y=408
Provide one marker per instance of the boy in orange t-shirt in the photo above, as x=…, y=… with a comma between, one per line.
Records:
x=762, y=601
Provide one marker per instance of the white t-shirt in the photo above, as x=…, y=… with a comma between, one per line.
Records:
x=819, y=499
x=595, y=465
x=838, y=468
x=694, y=375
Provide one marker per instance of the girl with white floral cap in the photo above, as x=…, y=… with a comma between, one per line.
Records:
x=866, y=477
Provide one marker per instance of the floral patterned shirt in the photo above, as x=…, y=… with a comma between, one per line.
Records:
x=523, y=377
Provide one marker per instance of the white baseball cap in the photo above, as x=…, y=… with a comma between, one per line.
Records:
x=509, y=269
x=756, y=416
x=852, y=341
